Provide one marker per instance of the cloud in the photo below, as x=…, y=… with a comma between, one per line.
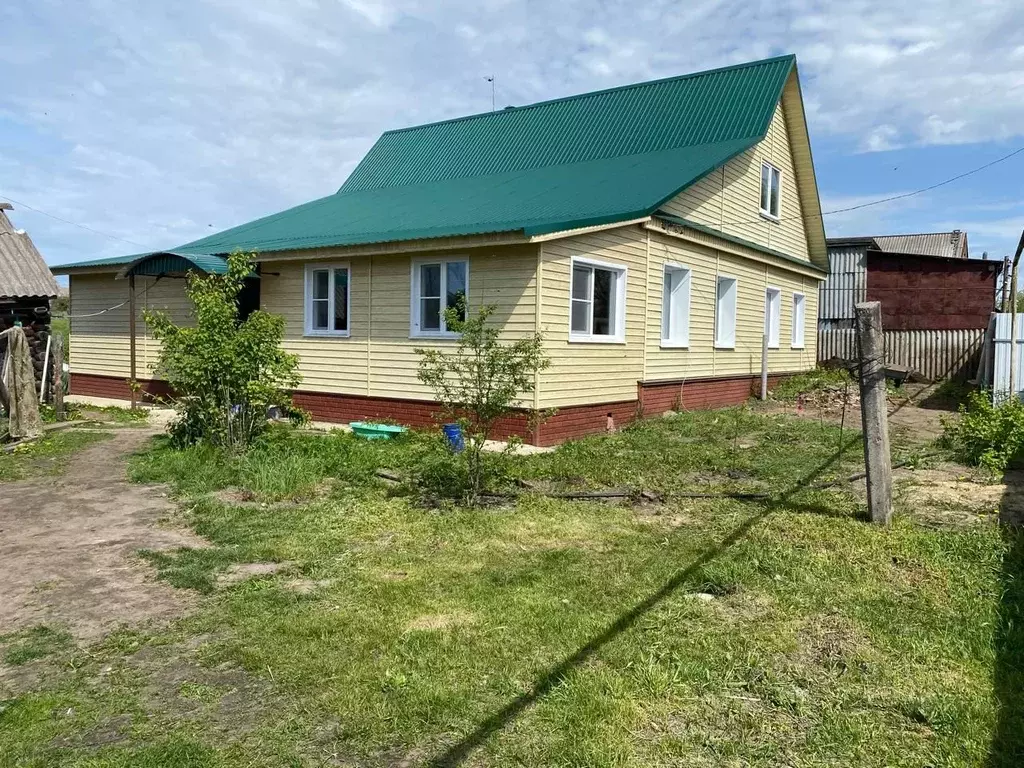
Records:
x=155, y=121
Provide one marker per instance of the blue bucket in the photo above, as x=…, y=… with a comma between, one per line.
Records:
x=453, y=434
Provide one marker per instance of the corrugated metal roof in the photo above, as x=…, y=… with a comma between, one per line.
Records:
x=168, y=262
x=581, y=161
x=22, y=269
x=951, y=245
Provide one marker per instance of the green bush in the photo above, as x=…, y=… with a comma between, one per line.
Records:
x=987, y=435
x=226, y=372
x=478, y=382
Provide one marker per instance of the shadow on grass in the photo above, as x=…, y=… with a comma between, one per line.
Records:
x=459, y=752
x=1007, y=749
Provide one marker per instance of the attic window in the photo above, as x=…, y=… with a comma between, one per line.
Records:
x=771, y=191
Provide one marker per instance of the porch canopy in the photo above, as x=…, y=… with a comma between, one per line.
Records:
x=173, y=264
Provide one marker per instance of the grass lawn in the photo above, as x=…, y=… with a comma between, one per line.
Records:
x=689, y=631
x=45, y=456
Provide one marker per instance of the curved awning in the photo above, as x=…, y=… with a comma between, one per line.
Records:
x=161, y=263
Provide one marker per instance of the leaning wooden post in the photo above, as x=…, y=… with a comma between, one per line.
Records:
x=873, y=409
x=131, y=334
x=58, y=376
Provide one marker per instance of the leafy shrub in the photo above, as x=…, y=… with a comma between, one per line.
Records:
x=986, y=435
x=478, y=383
x=225, y=372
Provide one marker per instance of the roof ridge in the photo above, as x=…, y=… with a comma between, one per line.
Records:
x=920, y=234
x=586, y=94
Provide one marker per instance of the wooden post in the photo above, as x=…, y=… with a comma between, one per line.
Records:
x=58, y=376
x=1012, y=387
x=764, y=366
x=131, y=333
x=874, y=411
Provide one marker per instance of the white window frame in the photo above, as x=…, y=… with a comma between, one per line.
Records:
x=619, y=308
x=312, y=267
x=773, y=316
x=767, y=211
x=681, y=339
x=720, y=342
x=797, y=339
x=414, y=299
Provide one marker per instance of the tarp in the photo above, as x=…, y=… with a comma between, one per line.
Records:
x=21, y=386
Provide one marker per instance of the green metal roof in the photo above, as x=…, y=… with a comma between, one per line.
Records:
x=168, y=262
x=585, y=160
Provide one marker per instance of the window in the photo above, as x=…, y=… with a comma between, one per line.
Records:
x=772, y=316
x=327, y=299
x=675, y=307
x=771, y=190
x=725, y=312
x=798, y=321
x=437, y=285
x=597, y=304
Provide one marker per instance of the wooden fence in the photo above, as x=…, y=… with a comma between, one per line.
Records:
x=932, y=355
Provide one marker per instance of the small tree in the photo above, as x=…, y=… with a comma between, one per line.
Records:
x=480, y=381
x=225, y=372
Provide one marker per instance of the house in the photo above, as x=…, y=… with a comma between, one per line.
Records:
x=26, y=288
x=936, y=301
x=653, y=233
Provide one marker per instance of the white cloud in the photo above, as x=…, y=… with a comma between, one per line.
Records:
x=154, y=121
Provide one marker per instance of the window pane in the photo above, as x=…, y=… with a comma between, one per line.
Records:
x=320, y=315
x=580, y=316
x=430, y=314
x=725, y=312
x=321, y=280
x=341, y=299
x=581, y=282
x=430, y=280
x=456, y=286
x=776, y=180
x=604, y=287
x=765, y=184
x=676, y=306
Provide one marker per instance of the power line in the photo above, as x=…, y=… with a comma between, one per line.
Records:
x=891, y=198
x=72, y=223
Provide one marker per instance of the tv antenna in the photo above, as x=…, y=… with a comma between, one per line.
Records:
x=490, y=79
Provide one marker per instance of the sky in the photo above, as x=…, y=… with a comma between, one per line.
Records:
x=152, y=124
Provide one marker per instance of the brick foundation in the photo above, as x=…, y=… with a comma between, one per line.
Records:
x=570, y=422
x=115, y=387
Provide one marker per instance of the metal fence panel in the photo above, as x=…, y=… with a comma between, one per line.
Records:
x=930, y=354
x=1001, y=361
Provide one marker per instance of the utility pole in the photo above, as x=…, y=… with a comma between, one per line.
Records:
x=874, y=411
x=1005, y=303
x=1013, y=318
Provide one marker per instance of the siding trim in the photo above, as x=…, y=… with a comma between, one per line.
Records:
x=728, y=245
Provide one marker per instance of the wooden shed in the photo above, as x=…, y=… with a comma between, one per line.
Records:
x=27, y=288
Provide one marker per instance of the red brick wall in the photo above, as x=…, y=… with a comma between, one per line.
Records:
x=114, y=386
x=564, y=424
x=922, y=293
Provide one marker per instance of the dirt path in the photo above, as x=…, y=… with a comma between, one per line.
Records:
x=68, y=544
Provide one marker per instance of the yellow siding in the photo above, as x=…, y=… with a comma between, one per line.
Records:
x=701, y=358
x=100, y=344
x=582, y=373
x=379, y=357
x=728, y=199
